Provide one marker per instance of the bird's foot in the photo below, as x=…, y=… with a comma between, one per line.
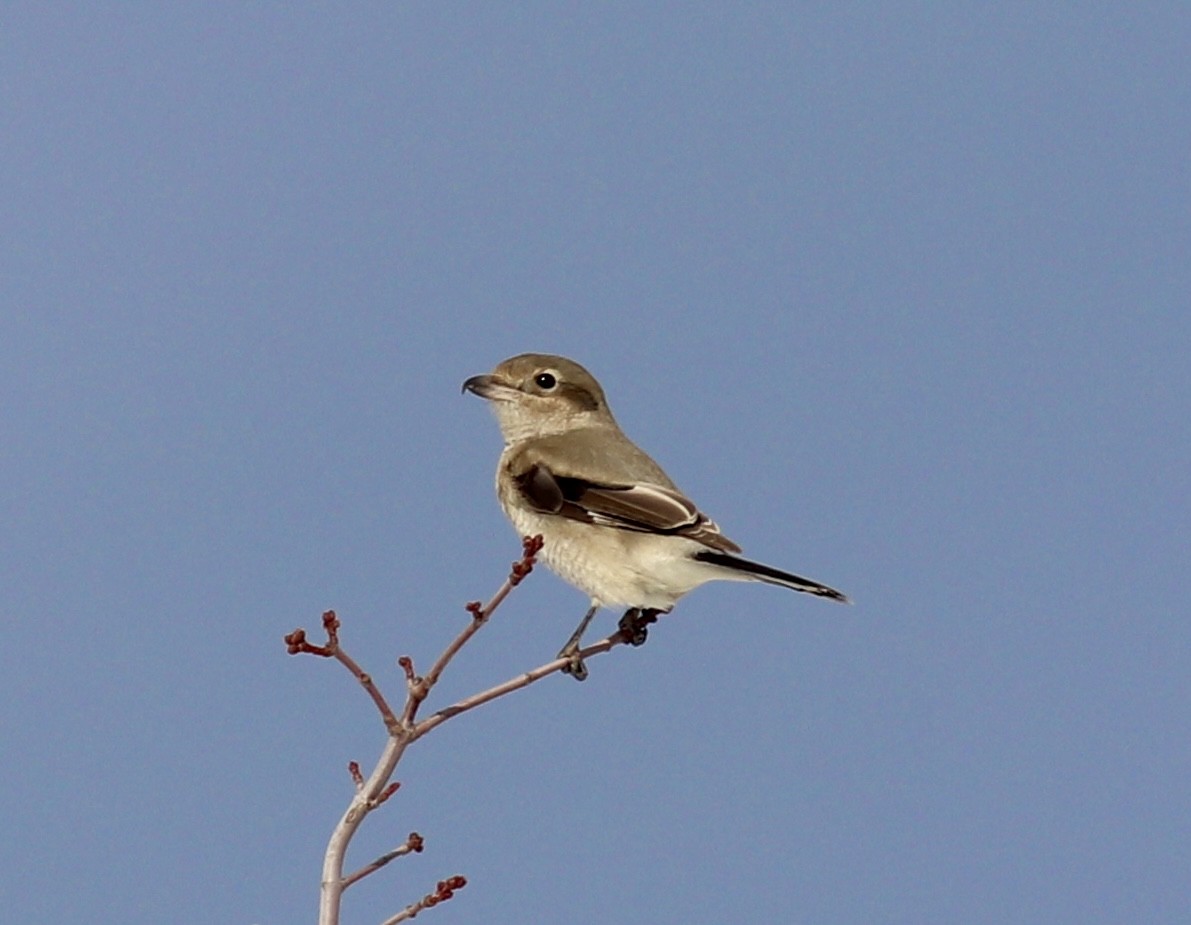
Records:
x=633, y=625
x=575, y=666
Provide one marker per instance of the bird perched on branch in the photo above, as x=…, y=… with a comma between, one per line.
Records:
x=613, y=524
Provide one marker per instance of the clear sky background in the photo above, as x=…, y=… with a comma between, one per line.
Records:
x=901, y=295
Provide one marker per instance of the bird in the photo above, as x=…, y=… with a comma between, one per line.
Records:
x=612, y=523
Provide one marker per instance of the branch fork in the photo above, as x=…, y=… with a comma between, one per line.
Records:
x=404, y=729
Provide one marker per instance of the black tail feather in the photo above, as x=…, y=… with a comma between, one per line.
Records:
x=767, y=573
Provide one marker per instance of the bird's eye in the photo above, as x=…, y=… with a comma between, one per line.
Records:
x=545, y=381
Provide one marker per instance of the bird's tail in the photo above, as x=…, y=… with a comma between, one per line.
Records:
x=755, y=570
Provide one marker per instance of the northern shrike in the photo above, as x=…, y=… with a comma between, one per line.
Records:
x=612, y=522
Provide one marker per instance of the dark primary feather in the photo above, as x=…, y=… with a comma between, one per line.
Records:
x=642, y=508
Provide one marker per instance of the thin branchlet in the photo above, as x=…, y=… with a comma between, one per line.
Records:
x=376, y=788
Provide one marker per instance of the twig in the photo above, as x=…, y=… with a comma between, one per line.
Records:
x=404, y=730
x=413, y=844
x=515, y=683
x=418, y=688
x=530, y=546
x=444, y=891
x=374, y=791
x=296, y=643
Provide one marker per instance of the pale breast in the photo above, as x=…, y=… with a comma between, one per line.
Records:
x=615, y=568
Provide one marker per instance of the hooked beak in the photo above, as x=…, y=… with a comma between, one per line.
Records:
x=489, y=387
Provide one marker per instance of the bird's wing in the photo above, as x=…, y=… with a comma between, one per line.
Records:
x=642, y=507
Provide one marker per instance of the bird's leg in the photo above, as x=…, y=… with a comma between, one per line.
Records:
x=634, y=622
x=575, y=667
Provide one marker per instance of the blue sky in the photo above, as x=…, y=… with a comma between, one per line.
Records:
x=900, y=295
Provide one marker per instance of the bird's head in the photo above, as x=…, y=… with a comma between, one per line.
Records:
x=537, y=394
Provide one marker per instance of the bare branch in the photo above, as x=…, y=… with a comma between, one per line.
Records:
x=366, y=799
x=513, y=684
x=413, y=844
x=442, y=892
x=296, y=644
x=531, y=546
x=374, y=790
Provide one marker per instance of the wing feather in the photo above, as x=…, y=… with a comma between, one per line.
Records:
x=641, y=507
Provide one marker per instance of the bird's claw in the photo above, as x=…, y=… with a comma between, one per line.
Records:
x=633, y=625
x=576, y=667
